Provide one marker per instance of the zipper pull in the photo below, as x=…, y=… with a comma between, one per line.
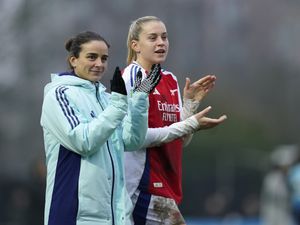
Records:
x=97, y=88
x=97, y=94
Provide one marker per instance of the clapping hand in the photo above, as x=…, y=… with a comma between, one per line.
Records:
x=150, y=82
x=199, y=89
x=117, y=83
x=206, y=122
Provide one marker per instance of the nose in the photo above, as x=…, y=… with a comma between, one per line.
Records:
x=98, y=62
x=161, y=41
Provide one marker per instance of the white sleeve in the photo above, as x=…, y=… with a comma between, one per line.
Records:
x=189, y=109
x=158, y=136
x=129, y=76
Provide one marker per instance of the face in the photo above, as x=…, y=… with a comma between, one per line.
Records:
x=153, y=44
x=92, y=61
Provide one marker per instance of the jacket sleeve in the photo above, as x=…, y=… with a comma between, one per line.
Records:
x=136, y=122
x=61, y=117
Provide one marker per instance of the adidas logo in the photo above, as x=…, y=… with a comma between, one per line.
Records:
x=173, y=91
x=93, y=115
x=155, y=92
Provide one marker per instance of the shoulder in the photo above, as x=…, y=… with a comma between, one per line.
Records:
x=129, y=73
x=62, y=94
x=168, y=74
x=64, y=89
x=131, y=70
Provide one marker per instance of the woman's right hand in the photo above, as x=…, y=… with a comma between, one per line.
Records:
x=206, y=122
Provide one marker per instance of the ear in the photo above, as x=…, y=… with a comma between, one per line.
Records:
x=73, y=61
x=135, y=46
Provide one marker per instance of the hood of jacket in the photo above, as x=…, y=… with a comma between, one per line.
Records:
x=70, y=79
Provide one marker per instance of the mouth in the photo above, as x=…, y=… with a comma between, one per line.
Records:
x=160, y=51
x=96, y=71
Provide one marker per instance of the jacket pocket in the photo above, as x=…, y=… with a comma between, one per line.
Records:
x=94, y=194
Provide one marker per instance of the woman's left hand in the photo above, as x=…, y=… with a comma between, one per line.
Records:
x=199, y=89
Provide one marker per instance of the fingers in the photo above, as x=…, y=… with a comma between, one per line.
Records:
x=117, y=72
x=155, y=68
x=202, y=113
x=155, y=74
x=157, y=79
x=222, y=118
x=187, y=83
x=159, y=67
x=117, y=83
x=206, y=122
x=201, y=86
x=138, y=79
x=209, y=87
x=205, y=81
x=139, y=76
x=150, y=82
x=213, y=121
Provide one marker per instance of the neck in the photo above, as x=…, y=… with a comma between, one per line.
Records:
x=146, y=65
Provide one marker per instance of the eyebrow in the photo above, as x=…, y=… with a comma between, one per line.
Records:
x=96, y=54
x=157, y=33
x=91, y=53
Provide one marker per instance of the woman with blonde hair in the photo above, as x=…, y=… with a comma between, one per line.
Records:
x=154, y=174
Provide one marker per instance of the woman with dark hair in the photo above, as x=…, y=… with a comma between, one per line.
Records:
x=86, y=131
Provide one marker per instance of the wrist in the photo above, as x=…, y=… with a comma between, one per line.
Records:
x=191, y=100
x=189, y=107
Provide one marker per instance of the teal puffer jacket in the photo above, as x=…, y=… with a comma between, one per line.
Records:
x=86, y=131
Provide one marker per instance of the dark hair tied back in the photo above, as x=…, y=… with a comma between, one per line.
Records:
x=68, y=44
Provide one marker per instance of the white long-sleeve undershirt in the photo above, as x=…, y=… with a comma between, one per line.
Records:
x=183, y=129
x=189, y=109
x=161, y=135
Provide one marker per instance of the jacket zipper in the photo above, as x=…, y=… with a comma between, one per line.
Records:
x=111, y=159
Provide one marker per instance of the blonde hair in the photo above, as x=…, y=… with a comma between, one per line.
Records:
x=133, y=34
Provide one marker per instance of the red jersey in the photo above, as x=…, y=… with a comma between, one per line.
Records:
x=157, y=169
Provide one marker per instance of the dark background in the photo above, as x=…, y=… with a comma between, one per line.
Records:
x=251, y=46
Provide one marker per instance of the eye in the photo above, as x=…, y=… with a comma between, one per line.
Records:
x=152, y=37
x=164, y=37
x=92, y=57
x=104, y=58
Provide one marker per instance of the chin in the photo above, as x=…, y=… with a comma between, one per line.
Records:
x=94, y=79
x=160, y=60
x=98, y=79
